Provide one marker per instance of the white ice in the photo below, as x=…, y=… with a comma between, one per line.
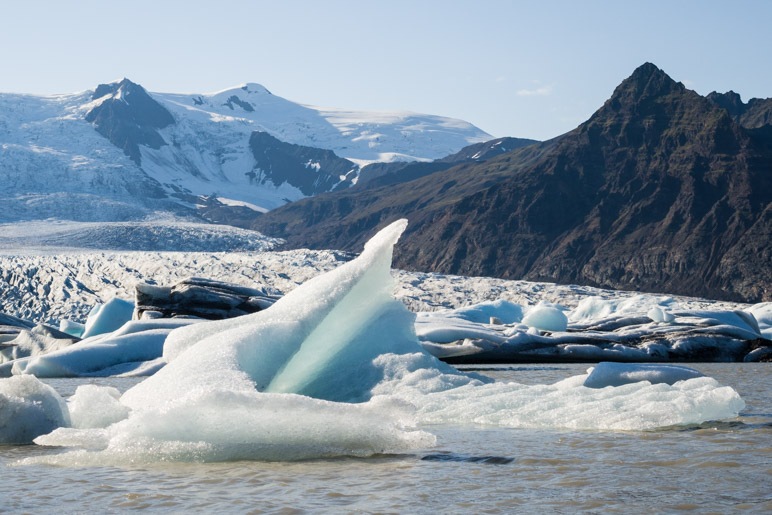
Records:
x=763, y=315
x=125, y=351
x=72, y=328
x=546, y=318
x=457, y=326
x=96, y=406
x=28, y=409
x=593, y=309
x=108, y=317
x=616, y=374
x=335, y=368
x=318, y=340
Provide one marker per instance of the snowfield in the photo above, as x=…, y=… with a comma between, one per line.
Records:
x=53, y=163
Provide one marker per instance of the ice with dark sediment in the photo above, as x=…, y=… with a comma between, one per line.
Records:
x=335, y=368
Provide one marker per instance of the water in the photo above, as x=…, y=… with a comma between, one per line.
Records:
x=714, y=468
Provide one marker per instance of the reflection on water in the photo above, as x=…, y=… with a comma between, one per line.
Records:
x=716, y=467
x=449, y=456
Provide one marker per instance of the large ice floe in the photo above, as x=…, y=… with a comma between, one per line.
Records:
x=335, y=368
x=641, y=328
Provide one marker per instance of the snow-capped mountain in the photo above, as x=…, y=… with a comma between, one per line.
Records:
x=661, y=190
x=119, y=152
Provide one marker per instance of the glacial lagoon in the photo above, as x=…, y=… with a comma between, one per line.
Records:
x=717, y=467
x=331, y=405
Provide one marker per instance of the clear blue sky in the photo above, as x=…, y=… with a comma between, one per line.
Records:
x=514, y=68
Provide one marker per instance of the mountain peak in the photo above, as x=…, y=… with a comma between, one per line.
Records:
x=247, y=88
x=129, y=117
x=124, y=86
x=648, y=81
x=649, y=104
x=646, y=71
x=254, y=87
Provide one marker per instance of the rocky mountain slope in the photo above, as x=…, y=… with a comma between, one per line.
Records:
x=660, y=190
x=380, y=174
x=752, y=115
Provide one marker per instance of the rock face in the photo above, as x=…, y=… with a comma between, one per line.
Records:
x=129, y=117
x=202, y=298
x=311, y=170
x=756, y=113
x=383, y=174
x=660, y=190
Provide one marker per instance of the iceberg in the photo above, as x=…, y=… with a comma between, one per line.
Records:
x=616, y=374
x=501, y=310
x=546, y=318
x=335, y=368
x=126, y=350
x=28, y=409
x=291, y=382
x=763, y=314
x=319, y=340
x=29, y=343
x=108, y=317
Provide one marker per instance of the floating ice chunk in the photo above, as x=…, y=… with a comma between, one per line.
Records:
x=96, y=406
x=741, y=324
x=212, y=400
x=319, y=340
x=227, y=426
x=763, y=315
x=616, y=374
x=658, y=314
x=759, y=354
x=39, y=340
x=436, y=328
x=28, y=409
x=108, y=317
x=546, y=318
x=448, y=350
x=471, y=322
x=504, y=310
x=78, y=360
x=444, y=399
x=135, y=341
x=72, y=328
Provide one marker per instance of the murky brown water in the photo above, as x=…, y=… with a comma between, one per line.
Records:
x=715, y=468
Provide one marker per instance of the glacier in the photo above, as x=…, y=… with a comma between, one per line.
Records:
x=335, y=368
x=55, y=164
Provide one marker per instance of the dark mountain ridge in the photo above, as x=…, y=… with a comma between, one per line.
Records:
x=311, y=170
x=129, y=117
x=383, y=174
x=756, y=113
x=661, y=190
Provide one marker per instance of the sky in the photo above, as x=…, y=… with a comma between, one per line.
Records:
x=530, y=69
